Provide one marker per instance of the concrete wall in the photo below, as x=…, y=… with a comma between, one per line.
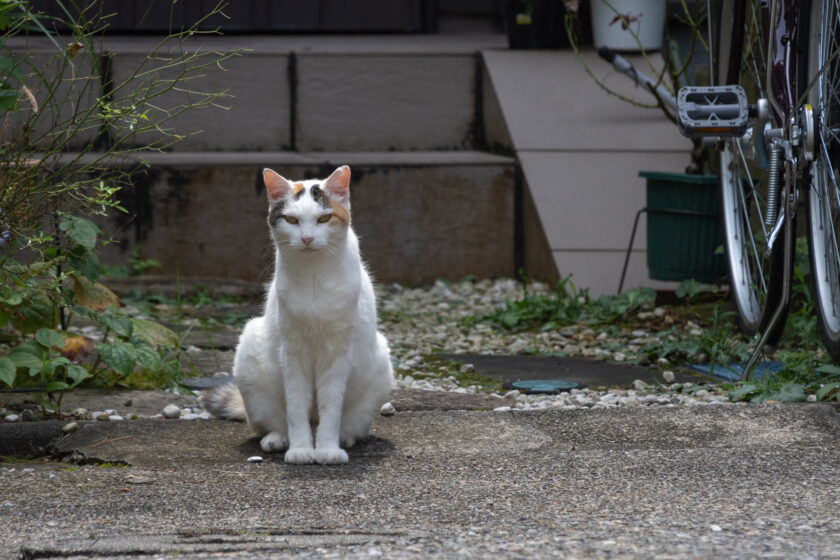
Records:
x=419, y=217
x=581, y=150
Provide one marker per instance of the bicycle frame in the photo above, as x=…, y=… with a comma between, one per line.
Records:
x=781, y=34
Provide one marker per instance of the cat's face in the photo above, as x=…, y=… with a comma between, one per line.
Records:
x=308, y=216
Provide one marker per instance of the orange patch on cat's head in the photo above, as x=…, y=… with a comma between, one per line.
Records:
x=339, y=214
x=296, y=188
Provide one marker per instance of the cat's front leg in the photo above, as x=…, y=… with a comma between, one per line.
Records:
x=330, y=387
x=299, y=392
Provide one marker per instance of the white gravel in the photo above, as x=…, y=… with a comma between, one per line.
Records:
x=171, y=411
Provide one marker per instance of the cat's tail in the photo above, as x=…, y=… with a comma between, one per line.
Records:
x=224, y=402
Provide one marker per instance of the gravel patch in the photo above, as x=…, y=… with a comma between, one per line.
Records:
x=420, y=322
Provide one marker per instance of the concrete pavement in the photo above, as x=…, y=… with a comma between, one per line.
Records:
x=734, y=481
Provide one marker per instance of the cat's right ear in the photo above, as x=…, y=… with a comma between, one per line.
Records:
x=276, y=185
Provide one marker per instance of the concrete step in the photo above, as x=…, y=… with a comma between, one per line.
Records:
x=420, y=215
x=302, y=93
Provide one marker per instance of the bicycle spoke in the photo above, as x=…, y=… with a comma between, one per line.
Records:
x=753, y=190
x=834, y=133
x=830, y=170
x=750, y=235
x=753, y=37
x=750, y=232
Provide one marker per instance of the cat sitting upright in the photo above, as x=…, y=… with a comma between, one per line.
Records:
x=315, y=357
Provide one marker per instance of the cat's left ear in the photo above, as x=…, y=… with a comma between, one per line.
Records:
x=276, y=185
x=338, y=184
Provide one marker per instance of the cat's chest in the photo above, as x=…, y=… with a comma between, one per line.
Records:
x=320, y=308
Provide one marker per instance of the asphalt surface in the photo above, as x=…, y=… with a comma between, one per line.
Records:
x=722, y=481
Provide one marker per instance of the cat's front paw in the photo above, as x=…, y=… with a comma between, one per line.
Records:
x=331, y=456
x=300, y=456
x=273, y=442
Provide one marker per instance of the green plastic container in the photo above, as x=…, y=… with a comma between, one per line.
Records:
x=683, y=227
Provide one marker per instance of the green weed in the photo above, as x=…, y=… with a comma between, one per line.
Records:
x=568, y=305
x=135, y=265
x=691, y=289
x=440, y=367
x=714, y=339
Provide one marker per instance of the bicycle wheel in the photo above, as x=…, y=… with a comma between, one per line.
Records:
x=823, y=199
x=755, y=274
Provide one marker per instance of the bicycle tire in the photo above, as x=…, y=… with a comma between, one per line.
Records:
x=823, y=198
x=755, y=275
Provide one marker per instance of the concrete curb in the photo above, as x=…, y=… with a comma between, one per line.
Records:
x=29, y=438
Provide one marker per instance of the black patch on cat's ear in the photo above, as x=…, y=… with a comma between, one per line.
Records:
x=319, y=196
x=275, y=214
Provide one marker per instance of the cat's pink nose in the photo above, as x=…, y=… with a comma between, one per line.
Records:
x=307, y=240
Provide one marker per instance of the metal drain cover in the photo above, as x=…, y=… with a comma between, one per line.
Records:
x=544, y=385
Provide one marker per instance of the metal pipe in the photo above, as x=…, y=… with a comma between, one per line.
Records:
x=626, y=67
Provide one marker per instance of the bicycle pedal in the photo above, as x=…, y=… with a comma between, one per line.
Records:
x=712, y=111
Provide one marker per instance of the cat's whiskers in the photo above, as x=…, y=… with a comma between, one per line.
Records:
x=331, y=250
x=283, y=244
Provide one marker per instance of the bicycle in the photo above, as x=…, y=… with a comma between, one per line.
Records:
x=773, y=113
x=774, y=110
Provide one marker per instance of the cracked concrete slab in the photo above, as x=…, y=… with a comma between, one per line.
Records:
x=691, y=482
x=161, y=443
x=207, y=543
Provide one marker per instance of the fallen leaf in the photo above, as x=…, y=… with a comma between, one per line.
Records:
x=76, y=348
x=93, y=295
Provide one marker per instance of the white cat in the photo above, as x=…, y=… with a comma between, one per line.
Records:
x=315, y=356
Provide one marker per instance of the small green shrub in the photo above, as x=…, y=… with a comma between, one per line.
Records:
x=63, y=124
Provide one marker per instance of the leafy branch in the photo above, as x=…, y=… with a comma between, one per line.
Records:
x=70, y=137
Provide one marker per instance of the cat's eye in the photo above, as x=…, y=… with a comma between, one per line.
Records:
x=325, y=218
x=291, y=219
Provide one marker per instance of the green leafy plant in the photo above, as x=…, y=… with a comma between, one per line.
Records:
x=136, y=265
x=720, y=341
x=801, y=327
x=40, y=361
x=568, y=305
x=830, y=390
x=63, y=121
x=691, y=289
x=756, y=393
